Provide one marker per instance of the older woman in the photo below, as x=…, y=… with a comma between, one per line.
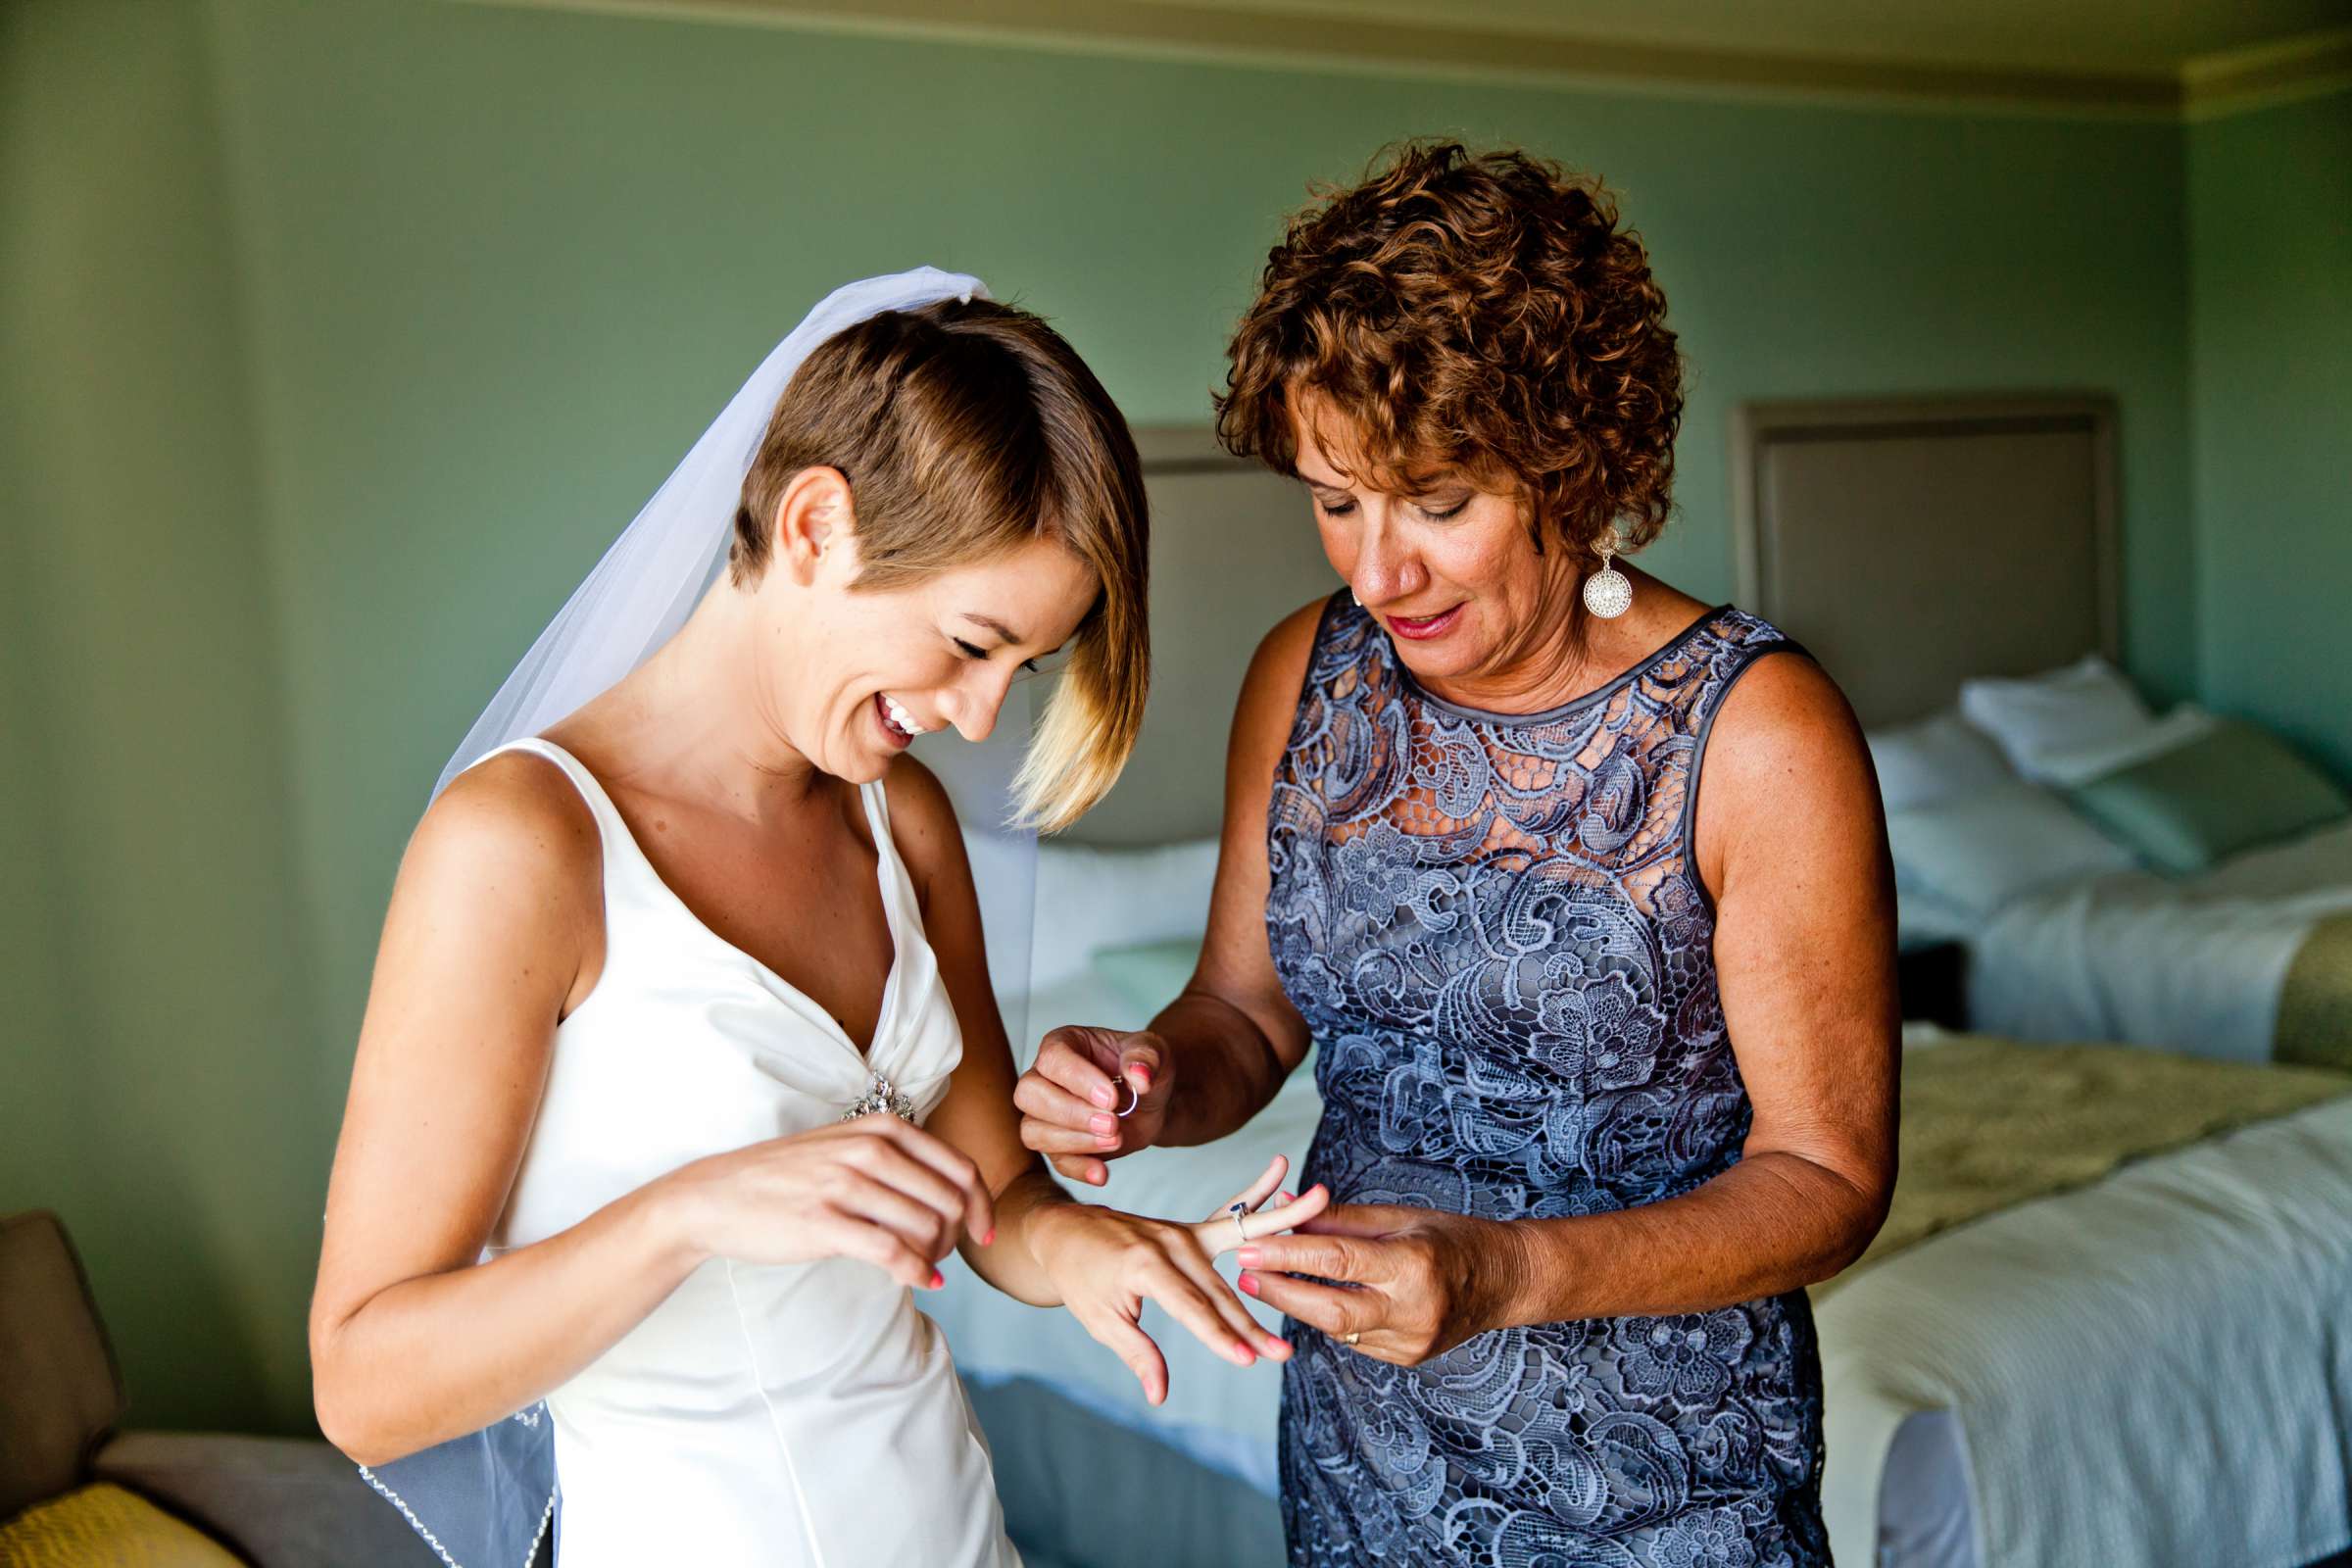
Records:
x=1608, y=1060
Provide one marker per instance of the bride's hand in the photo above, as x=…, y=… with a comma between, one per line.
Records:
x=878, y=1189
x=1106, y=1264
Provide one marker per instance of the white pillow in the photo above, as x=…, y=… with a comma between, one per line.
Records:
x=2041, y=721
x=2070, y=769
x=1979, y=852
x=1934, y=760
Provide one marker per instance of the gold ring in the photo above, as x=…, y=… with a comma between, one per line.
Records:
x=1351, y=1339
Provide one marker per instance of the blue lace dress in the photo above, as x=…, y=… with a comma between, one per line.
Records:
x=1493, y=929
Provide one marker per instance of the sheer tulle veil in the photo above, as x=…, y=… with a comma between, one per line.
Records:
x=487, y=1499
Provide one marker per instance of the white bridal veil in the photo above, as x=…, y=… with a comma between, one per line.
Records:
x=485, y=1499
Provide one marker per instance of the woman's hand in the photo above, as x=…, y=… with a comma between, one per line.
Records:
x=878, y=1189
x=1106, y=1264
x=1072, y=1097
x=1415, y=1281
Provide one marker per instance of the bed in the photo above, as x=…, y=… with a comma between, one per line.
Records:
x=2125, y=1348
x=2176, y=879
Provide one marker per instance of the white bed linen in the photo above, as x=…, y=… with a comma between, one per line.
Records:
x=2193, y=964
x=2150, y=1370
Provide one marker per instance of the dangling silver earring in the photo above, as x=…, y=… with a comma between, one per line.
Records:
x=1609, y=592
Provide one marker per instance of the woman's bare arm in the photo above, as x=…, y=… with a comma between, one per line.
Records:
x=1215, y=1055
x=494, y=921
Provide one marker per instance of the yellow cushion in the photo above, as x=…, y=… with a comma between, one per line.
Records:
x=103, y=1526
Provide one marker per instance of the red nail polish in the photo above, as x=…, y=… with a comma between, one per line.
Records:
x=1250, y=1284
x=939, y=1281
x=990, y=1238
x=1247, y=1257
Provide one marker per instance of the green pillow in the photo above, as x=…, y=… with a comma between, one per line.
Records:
x=2233, y=787
x=1149, y=974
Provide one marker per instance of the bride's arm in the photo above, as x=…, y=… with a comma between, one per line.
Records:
x=495, y=931
x=1049, y=1250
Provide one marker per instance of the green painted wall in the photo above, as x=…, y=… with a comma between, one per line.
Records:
x=2271, y=248
x=411, y=303
x=163, y=1068
x=506, y=263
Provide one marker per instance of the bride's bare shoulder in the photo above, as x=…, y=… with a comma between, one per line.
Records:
x=512, y=826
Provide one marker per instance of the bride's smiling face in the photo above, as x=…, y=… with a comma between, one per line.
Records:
x=856, y=673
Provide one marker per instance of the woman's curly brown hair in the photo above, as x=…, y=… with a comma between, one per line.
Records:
x=1476, y=312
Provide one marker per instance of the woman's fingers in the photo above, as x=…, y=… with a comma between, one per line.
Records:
x=1049, y=1102
x=853, y=1236
x=920, y=1226
x=1132, y=1346
x=975, y=1205
x=1229, y=1306
x=1048, y=1139
x=1364, y=1219
x=1066, y=1059
x=1290, y=1212
x=1331, y=1257
x=1141, y=1065
x=1218, y=1234
x=1257, y=1191
x=901, y=1172
x=1190, y=1306
x=1079, y=1168
x=1335, y=1310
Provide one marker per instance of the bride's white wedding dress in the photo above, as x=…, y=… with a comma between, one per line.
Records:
x=804, y=1416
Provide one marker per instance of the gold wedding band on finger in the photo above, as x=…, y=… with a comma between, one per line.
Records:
x=1350, y=1338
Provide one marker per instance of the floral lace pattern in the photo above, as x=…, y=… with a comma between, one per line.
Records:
x=1491, y=925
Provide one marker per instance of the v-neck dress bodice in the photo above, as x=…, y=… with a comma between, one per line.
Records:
x=797, y=1416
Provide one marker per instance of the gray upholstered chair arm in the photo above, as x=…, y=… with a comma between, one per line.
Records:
x=279, y=1502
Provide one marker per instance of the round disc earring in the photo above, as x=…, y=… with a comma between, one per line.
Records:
x=1609, y=592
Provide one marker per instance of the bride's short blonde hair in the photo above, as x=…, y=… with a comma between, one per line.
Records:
x=967, y=429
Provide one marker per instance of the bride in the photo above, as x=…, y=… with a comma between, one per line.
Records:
x=681, y=1070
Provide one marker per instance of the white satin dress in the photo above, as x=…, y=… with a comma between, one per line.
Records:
x=807, y=1416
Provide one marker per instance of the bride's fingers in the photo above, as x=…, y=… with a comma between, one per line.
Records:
x=1257, y=1191
x=1296, y=1211
x=1183, y=1299
x=1132, y=1346
x=1220, y=1235
x=1231, y=1308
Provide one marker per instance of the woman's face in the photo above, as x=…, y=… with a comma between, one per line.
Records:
x=852, y=675
x=1450, y=572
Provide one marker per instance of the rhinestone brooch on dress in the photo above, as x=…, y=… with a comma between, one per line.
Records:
x=881, y=1095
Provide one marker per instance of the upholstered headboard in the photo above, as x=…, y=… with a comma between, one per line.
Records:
x=1233, y=551
x=1910, y=544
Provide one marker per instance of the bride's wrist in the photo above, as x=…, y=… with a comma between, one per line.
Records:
x=667, y=1219
x=1055, y=1226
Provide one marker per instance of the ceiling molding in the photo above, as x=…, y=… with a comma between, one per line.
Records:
x=2238, y=80
x=2212, y=85
x=1209, y=31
